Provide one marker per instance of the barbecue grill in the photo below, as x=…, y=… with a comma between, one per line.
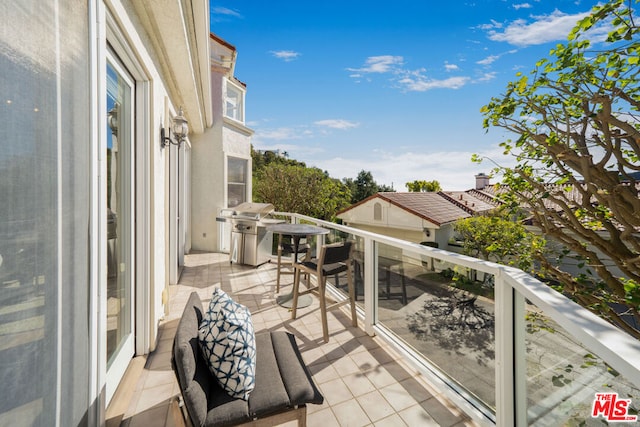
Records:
x=251, y=243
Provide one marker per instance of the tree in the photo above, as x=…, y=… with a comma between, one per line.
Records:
x=263, y=158
x=299, y=189
x=498, y=239
x=364, y=186
x=423, y=186
x=577, y=157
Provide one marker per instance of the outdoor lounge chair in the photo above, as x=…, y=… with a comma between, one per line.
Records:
x=283, y=385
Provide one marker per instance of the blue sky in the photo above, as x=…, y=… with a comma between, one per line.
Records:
x=394, y=88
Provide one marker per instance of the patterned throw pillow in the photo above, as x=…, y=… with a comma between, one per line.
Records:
x=227, y=341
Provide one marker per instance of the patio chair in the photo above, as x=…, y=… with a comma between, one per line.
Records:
x=283, y=384
x=333, y=259
x=286, y=249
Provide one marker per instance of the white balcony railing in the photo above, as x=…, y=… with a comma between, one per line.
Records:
x=504, y=346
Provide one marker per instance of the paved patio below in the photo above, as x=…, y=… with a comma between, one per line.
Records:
x=364, y=382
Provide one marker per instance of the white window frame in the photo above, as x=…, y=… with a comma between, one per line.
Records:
x=237, y=112
x=247, y=179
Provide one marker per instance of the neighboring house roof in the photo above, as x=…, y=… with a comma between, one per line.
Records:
x=444, y=207
x=472, y=201
x=438, y=208
x=567, y=192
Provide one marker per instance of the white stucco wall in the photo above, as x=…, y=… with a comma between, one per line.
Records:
x=163, y=84
x=395, y=222
x=392, y=216
x=209, y=168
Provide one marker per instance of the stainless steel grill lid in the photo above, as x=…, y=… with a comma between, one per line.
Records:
x=252, y=210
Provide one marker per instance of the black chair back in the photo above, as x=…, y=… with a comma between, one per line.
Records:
x=337, y=253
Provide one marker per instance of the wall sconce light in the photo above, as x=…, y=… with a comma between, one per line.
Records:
x=112, y=119
x=180, y=131
x=427, y=232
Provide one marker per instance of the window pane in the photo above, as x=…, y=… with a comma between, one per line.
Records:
x=236, y=181
x=236, y=194
x=234, y=107
x=44, y=214
x=119, y=211
x=237, y=170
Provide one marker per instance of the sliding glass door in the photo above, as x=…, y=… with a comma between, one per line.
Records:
x=120, y=222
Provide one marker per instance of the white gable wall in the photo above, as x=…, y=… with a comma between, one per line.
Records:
x=396, y=222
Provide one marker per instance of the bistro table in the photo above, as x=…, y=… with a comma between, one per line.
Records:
x=296, y=231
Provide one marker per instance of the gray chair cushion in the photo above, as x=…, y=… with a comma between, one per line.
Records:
x=191, y=370
x=282, y=379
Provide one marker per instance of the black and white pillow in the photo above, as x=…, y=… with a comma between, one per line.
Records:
x=227, y=341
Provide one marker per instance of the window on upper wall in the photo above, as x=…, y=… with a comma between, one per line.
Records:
x=377, y=212
x=237, y=170
x=234, y=101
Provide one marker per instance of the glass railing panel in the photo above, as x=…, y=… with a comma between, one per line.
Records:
x=443, y=311
x=563, y=378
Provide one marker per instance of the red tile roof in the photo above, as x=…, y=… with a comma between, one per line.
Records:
x=438, y=208
x=471, y=201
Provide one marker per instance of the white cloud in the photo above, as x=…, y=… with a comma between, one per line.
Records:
x=544, y=29
x=454, y=170
x=420, y=83
x=283, y=133
x=406, y=79
x=522, y=6
x=379, y=64
x=220, y=13
x=492, y=26
x=493, y=58
x=285, y=55
x=272, y=138
x=488, y=60
x=337, y=124
x=451, y=67
x=487, y=77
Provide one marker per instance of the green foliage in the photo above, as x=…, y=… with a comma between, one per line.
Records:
x=423, y=186
x=577, y=154
x=265, y=158
x=498, y=239
x=364, y=186
x=291, y=186
x=632, y=292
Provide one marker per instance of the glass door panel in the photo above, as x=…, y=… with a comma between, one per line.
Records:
x=120, y=220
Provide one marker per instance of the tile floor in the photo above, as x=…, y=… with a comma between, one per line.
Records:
x=364, y=382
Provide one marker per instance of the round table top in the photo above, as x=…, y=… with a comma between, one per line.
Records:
x=297, y=229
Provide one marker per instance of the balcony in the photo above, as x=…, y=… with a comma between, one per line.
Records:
x=444, y=340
